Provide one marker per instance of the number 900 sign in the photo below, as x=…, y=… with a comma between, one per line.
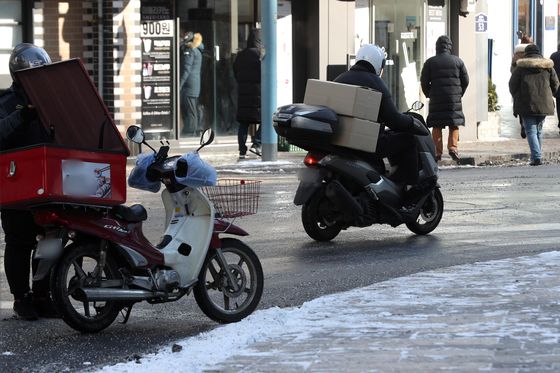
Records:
x=157, y=28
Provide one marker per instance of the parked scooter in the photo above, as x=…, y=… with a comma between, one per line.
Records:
x=342, y=187
x=101, y=264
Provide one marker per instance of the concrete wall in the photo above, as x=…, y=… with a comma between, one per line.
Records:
x=336, y=33
x=500, y=29
x=466, y=47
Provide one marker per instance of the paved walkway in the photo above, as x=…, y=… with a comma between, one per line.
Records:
x=497, y=316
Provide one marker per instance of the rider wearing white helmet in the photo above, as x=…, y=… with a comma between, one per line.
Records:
x=398, y=144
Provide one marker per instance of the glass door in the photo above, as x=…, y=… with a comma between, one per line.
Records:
x=398, y=29
x=10, y=36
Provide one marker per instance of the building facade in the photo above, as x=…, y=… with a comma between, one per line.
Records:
x=132, y=48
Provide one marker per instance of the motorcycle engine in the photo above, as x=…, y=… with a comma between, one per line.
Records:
x=167, y=279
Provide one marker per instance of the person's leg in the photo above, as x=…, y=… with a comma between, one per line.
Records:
x=558, y=108
x=530, y=123
x=453, y=142
x=256, y=140
x=20, y=232
x=539, y=128
x=242, y=138
x=400, y=148
x=192, y=115
x=184, y=110
x=438, y=141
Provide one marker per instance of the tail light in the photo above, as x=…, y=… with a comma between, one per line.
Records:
x=46, y=217
x=313, y=158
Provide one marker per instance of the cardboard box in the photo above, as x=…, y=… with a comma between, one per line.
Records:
x=344, y=99
x=355, y=133
x=48, y=173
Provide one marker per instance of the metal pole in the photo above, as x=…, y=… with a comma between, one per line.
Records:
x=269, y=139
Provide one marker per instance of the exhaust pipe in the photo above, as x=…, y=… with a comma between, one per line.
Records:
x=108, y=294
x=337, y=193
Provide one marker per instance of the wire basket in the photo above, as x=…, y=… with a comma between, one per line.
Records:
x=234, y=198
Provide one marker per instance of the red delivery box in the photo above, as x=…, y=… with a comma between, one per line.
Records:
x=85, y=163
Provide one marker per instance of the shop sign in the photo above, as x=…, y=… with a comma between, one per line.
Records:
x=481, y=23
x=157, y=72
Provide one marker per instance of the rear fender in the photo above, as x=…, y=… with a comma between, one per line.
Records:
x=310, y=180
x=48, y=252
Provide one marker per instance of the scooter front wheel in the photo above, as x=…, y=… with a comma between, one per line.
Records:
x=430, y=214
x=224, y=298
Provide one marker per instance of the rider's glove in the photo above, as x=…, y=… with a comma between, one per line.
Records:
x=418, y=128
x=28, y=114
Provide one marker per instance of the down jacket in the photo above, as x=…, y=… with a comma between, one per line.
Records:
x=191, y=63
x=532, y=85
x=247, y=71
x=444, y=80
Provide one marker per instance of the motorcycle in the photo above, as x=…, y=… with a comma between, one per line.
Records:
x=101, y=263
x=342, y=187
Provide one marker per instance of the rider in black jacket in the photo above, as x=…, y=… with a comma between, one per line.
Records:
x=20, y=127
x=397, y=144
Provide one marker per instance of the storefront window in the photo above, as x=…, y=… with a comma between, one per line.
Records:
x=10, y=36
x=398, y=29
x=523, y=18
x=223, y=27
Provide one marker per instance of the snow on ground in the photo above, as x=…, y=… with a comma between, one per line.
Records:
x=486, y=301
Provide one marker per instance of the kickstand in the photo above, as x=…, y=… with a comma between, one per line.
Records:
x=125, y=312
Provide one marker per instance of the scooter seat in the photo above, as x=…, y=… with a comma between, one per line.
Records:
x=132, y=214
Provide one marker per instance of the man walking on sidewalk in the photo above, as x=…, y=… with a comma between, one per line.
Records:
x=444, y=80
x=532, y=85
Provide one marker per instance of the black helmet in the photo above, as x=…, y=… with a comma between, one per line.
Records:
x=27, y=55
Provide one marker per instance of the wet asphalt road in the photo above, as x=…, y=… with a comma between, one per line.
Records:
x=490, y=213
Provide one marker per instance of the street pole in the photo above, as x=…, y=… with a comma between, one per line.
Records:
x=269, y=139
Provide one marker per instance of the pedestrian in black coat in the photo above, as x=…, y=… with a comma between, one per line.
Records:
x=247, y=71
x=444, y=80
x=555, y=57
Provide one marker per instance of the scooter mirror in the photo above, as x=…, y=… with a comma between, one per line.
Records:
x=417, y=105
x=135, y=134
x=207, y=137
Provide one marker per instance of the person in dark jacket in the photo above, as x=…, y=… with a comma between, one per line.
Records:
x=555, y=57
x=247, y=71
x=532, y=85
x=398, y=144
x=189, y=83
x=19, y=127
x=444, y=80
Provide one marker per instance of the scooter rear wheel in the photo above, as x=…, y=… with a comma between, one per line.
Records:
x=74, y=272
x=214, y=293
x=430, y=214
x=314, y=218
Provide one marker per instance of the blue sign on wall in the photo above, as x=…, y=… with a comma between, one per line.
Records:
x=481, y=23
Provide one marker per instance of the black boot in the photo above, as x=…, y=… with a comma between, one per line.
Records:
x=24, y=309
x=44, y=306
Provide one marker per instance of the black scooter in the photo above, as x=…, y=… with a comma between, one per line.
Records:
x=342, y=187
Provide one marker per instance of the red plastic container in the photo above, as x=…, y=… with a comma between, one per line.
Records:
x=86, y=161
x=49, y=173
